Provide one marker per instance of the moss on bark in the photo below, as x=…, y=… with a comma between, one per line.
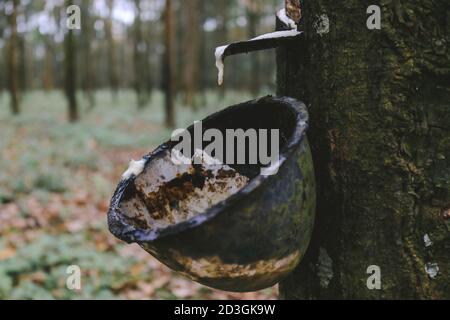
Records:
x=380, y=135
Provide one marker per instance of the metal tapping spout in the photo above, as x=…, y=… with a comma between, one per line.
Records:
x=289, y=18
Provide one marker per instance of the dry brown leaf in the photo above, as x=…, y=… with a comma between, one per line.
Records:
x=7, y=253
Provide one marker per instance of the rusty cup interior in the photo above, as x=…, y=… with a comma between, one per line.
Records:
x=167, y=198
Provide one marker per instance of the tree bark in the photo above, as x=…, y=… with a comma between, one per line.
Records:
x=380, y=136
x=169, y=65
x=71, y=75
x=13, y=61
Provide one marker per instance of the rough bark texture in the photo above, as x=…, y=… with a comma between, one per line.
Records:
x=13, y=61
x=380, y=135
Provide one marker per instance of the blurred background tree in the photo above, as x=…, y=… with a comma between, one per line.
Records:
x=122, y=46
x=76, y=105
x=13, y=56
x=71, y=71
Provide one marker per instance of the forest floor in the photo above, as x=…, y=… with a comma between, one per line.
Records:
x=56, y=180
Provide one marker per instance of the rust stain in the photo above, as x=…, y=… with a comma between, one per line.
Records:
x=165, y=194
x=214, y=267
x=294, y=10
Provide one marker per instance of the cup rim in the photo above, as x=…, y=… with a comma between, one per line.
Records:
x=123, y=230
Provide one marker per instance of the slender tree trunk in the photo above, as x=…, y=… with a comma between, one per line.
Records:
x=139, y=59
x=13, y=61
x=179, y=37
x=25, y=58
x=191, y=45
x=58, y=66
x=203, y=81
x=71, y=76
x=169, y=64
x=112, y=55
x=48, y=81
x=252, y=24
x=149, y=51
x=88, y=70
x=380, y=136
x=23, y=85
x=223, y=7
x=3, y=62
x=126, y=55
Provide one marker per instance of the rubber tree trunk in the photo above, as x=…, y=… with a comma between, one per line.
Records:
x=380, y=134
x=13, y=61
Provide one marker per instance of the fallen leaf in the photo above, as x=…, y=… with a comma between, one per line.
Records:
x=7, y=253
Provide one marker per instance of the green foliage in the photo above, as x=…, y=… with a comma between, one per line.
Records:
x=5, y=195
x=49, y=256
x=50, y=181
x=53, y=174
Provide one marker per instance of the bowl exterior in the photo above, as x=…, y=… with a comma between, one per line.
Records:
x=255, y=242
